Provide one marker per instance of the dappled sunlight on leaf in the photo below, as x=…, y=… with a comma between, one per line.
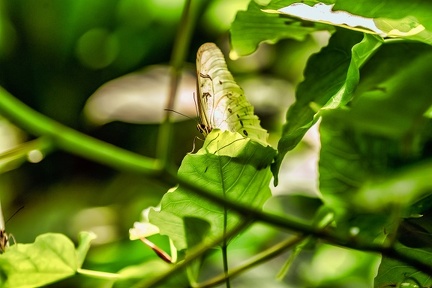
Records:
x=247, y=30
x=353, y=207
x=330, y=79
x=141, y=230
x=241, y=174
x=50, y=258
x=323, y=13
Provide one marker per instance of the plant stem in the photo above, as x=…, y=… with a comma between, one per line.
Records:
x=225, y=263
x=293, y=225
x=73, y=141
x=181, y=46
x=224, y=246
x=254, y=261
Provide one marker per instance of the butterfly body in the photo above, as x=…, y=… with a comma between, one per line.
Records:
x=221, y=102
x=4, y=239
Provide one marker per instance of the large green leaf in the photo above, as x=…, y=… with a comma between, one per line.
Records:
x=346, y=163
x=394, y=92
x=330, y=78
x=399, y=190
x=254, y=26
x=405, y=14
x=50, y=258
x=415, y=238
x=367, y=148
x=388, y=24
x=229, y=166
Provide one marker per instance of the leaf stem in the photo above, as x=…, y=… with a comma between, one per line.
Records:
x=225, y=263
x=192, y=255
x=99, y=274
x=224, y=247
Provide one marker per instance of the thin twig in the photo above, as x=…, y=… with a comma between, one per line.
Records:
x=254, y=261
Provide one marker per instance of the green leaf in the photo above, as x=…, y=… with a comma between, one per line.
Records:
x=395, y=15
x=381, y=105
x=84, y=239
x=343, y=167
x=50, y=258
x=229, y=166
x=360, y=170
x=399, y=190
x=333, y=266
x=358, y=183
x=394, y=273
x=254, y=26
x=407, y=27
x=419, y=226
x=330, y=78
x=348, y=161
x=367, y=149
x=196, y=229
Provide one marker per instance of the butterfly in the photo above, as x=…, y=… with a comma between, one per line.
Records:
x=221, y=102
x=4, y=239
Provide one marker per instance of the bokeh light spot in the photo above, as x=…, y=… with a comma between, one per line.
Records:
x=97, y=48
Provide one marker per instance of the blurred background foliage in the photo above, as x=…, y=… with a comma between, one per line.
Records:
x=54, y=55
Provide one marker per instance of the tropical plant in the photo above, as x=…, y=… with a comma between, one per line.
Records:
x=367, y=223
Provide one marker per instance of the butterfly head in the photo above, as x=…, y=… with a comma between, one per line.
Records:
x=204, y=129
x=4, y=241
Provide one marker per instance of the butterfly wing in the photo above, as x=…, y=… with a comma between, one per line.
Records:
x=221, y=102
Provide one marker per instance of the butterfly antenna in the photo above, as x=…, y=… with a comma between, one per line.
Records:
x=171, y=110
x=22, y=207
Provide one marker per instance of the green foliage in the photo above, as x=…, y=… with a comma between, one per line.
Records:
x=367, y=88
x=330, y=78
x=403, y=15
x=394, y=272
x=247, y=31
x=228, y=165
x=372, y=161
x=50, y=258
